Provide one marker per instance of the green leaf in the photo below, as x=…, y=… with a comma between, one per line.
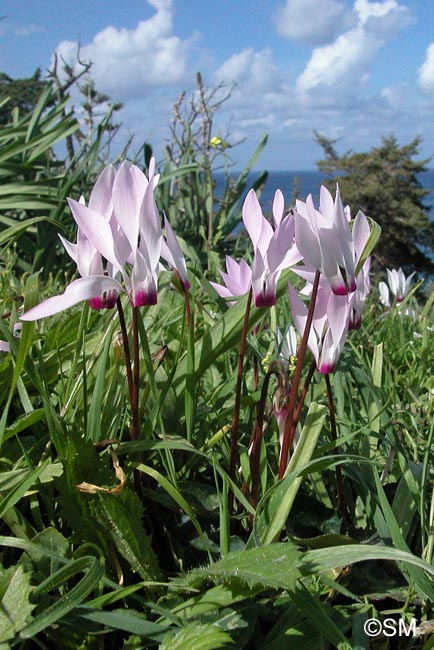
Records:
x=120, y=515
x=127, y=620
x=15, y=607
x=176, y=496
x=373, y=238
x=314, y=562
x=93, y=572
x=273, y=566
x=276, y=505
x=100, y=388
x=319, y=615
x=197, y=636
x=21, y=488
x=31, y=299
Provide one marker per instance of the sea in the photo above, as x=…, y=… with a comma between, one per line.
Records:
x=302, y=183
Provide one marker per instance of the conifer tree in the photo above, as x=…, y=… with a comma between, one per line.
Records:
x=385, y=184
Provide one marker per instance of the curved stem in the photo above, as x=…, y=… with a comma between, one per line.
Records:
x=136, y=377
x=257, y=438
x=296, y=379
x=126, y=346
x=301, y=400
x=236, y=419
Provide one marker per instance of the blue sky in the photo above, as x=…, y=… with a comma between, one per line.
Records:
x=351, y=69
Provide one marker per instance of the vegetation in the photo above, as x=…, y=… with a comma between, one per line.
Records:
x=168, y=538
x=385, y=181
x=23, y=94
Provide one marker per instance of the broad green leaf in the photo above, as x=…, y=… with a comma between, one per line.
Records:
x=15, y=607
x=120, y=516
x=274, y=566
x=127, y=620
x=197, y=636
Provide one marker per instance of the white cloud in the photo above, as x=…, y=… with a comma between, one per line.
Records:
x=312, y=21
x=338, y=71
x=128, y=62
x=259, y=97
x=426, y=71
x=252, y=71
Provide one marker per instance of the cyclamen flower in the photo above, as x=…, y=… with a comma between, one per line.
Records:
x=119, y=244
x=237, y=279
x=274, y=249
x=286, y=345
x=88, y=259
x=399, y=286
x=330, y=324
x=360, y=234
x=325, y=240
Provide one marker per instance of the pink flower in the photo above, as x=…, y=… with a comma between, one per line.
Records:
x=329, y=326
x=325, y=240
x=237, y=279
x=399, y=285
x=274, y=249
x=119, y=244
x=360, y=233
x=171, y=252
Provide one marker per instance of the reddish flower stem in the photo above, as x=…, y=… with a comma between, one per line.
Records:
x=296, y=380
x=136, y=377
x=301, y=400
x=255, y=450
x=126, y=346
x=236, y=418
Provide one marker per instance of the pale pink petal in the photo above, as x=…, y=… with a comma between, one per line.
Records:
x=71, y=249
x=278, y=208
x=222, y=291
x=77, y=291
x=307, y=240
x=97, y=230
x=172, y=253
x=144, y=283
x=253, y=217
x=338, y=312
x=151, y=235
x=361, y=232
x=384, y=294
x=299, y=314
x=126, y=204
x=100, y=198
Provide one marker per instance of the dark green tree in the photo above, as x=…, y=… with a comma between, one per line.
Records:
x=22, y=93
x=385, y=184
